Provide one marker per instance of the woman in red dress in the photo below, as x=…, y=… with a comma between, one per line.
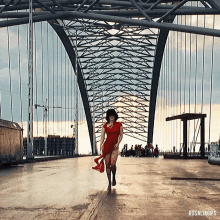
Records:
x=110, y=148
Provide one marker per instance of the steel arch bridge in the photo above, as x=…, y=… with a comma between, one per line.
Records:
x=119, y=47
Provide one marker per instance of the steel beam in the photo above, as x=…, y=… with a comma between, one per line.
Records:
x=156, y=13
x=202, y=131
x=69, y=49
x=155, y=80
x=126, y=4
x=122, y=20
x=184, y=138
x=215, y=4
x=172, y=10
x=127, y=13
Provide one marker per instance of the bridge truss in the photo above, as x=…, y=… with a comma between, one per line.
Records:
x=119, y=46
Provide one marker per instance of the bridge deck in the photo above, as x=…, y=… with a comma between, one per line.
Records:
x=70, y=189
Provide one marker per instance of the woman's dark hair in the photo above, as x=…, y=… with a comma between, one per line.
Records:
x=111, y=112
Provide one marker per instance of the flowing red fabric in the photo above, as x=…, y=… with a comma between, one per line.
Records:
x=108, y=146
x=100, y=167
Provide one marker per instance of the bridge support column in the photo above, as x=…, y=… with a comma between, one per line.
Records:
x=202, y=137
x=185, y=138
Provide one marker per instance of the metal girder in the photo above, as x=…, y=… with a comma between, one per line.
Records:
x=215, y=4
x=132, y=13
x=71, y=53
x=121, y=20
x=111, y=3
x=155, y=80
x=101, y=15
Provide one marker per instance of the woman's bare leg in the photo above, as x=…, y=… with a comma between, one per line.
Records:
x=113, y=165
x=107, y=159
x=108, y=169
x=114, y=157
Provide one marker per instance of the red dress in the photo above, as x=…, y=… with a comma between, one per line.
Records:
x=111, y=140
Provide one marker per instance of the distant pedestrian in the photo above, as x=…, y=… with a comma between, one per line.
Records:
x=136, y=150
x=156, y=151
x=139, y=150
x=153, y=152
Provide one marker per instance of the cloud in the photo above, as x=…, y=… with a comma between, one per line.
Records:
x=5, y=35
x=4, y=73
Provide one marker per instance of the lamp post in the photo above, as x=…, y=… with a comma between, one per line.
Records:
x=30, y=85
x=74, y=135
x=76, y=97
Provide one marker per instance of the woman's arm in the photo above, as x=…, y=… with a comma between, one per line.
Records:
x=121, y=136
x=102, y=138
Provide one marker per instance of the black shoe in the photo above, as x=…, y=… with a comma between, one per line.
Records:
x=109, y=188
x=113, y=182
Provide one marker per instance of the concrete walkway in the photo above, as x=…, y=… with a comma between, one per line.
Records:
x=145, y=190
x=68, y=188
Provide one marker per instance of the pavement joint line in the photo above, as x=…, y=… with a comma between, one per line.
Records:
x=92, y=211
x=194, y=178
